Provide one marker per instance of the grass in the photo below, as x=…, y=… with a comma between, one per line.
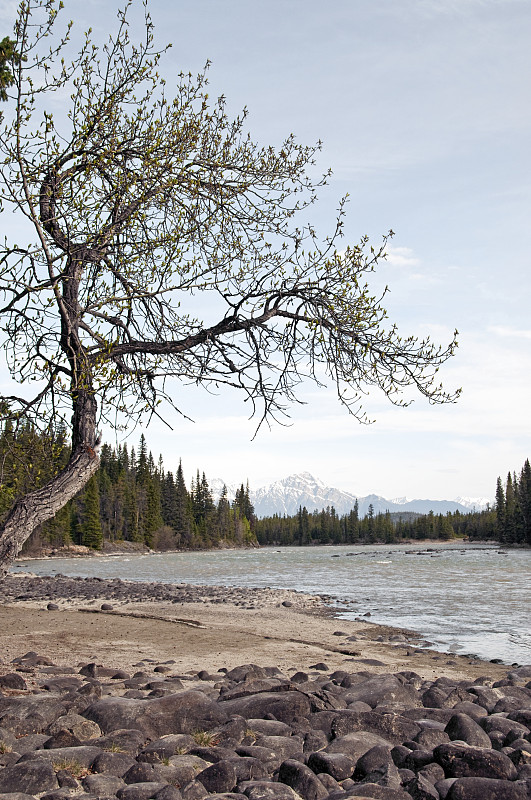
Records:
x=113, y=747
x=72, y=766
x=5, y=748
x=205, y=738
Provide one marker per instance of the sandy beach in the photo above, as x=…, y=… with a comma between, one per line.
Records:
x=212, y=628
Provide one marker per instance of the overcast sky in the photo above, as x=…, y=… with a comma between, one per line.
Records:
x=423, y=109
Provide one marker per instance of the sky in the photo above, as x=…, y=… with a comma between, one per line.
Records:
x=423, y=110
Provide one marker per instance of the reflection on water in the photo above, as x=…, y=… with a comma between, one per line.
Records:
x=461, y=599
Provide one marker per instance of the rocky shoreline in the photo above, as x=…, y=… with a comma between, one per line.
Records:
x=99, y=733
x=288, y=728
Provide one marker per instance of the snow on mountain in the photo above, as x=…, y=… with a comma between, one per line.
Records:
x=286, y=496
x=474, y=503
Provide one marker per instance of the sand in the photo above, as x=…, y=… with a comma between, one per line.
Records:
x=207, y=636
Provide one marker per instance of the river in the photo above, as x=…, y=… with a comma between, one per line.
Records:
x=459, y=598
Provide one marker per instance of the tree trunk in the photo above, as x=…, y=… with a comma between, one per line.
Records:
x=41, y=505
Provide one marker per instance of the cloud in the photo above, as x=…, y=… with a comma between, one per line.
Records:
x=401, y=257
x=505, y=332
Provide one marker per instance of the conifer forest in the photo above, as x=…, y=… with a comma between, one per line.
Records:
x=133, y=498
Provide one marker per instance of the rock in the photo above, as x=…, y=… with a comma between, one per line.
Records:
x=106, y=607
x=429, y=738
x=102, y=784
x=31, y=777
x=169, y=793
x=80, y=727
x=302, y=780
x=372, y=790
x=495, y=722
x=29, y=713
x=247, y=769
x=142, y=772
x=184, y=712
x=419, y=788
x=467, y=730
x=485, y=789
x=194, y=791
x=115, y=764
x=186, y=768
x=82, y=756
x=314, y=740
x=12, y=681
x=121, y=740
x=220, y=777
x=167, y=746
x=356, y=744
x=338, y=765
x=395, y=728
x=140, y=791
x=462, y=761
x=268, y=727
x=284, y=706
x=267, y=790
x=284, y=746
x=383, y=690
x=377, y=766
x=66, y=780
x=62, y=738
x=52, y=607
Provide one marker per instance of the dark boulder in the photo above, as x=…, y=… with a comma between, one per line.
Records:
x=485, y=789
x=338, y=765
x=31, y=777
x=183, y=712
x=220, y=777
x=465, y=729
x=302, y=780
x=115, y=764
x=139, y=791
x=462, y=761
x=284, y=706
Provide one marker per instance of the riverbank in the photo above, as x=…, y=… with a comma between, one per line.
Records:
x=118, y=623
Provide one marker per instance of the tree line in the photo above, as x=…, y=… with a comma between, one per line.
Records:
x=327, y=527
x=513, y=507
x=130, y=498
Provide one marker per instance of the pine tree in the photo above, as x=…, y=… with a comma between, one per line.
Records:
x=91, y=526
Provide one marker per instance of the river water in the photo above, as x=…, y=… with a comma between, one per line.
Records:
x=460, y=599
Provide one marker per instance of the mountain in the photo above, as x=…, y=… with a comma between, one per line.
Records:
x=287, y=495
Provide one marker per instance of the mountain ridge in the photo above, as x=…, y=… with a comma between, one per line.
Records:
x=287, y=495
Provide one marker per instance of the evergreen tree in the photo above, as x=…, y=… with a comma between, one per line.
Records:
x=92, y=535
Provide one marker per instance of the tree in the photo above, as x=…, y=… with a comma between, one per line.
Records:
x=142, y=210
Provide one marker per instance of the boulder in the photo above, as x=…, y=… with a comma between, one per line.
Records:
x=183, y=712
x=302, y=780
x=485, y=789
x=284, y=706
x=31, y=777
x=338, y=765
x=462, y=761
x=465, y=729
x=395, y=728
x=29, y=713
x=220, y=777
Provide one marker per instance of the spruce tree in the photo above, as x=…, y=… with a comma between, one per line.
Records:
x=91, y=526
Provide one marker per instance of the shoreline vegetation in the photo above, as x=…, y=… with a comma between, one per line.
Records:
x=134, y=502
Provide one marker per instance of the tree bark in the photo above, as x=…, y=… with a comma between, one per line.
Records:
x=41, y=505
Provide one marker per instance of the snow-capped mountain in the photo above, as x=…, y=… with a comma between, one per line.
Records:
x=474, y=503
x=286, y=496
